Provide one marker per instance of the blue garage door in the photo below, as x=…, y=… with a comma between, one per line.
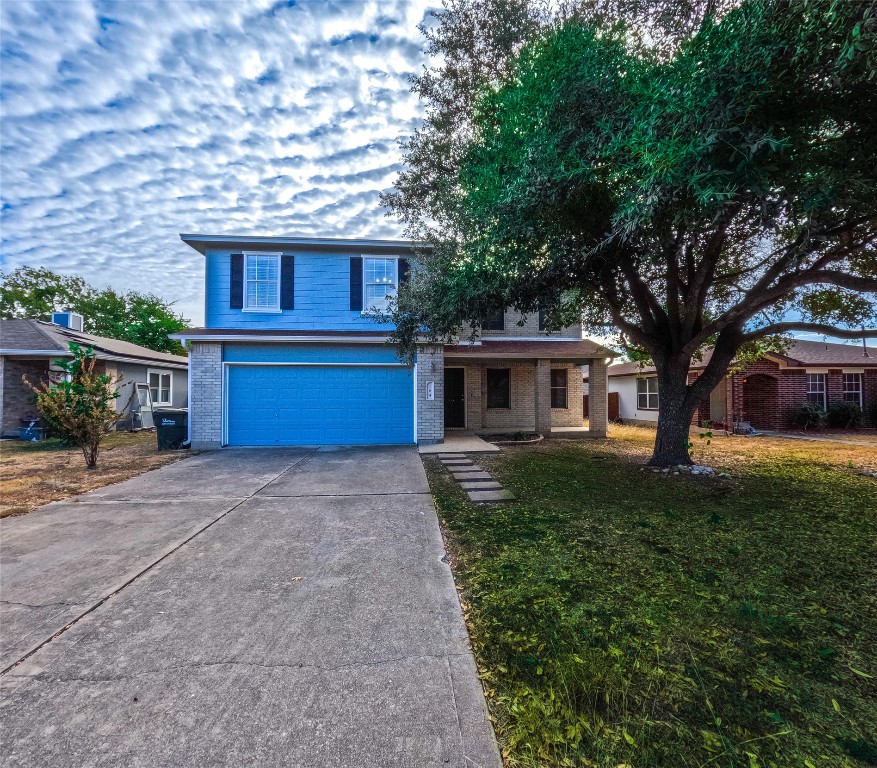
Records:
x=320, y=405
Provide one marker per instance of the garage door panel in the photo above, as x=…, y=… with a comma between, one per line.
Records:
x=303, y=405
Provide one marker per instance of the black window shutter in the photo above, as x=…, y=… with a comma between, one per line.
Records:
x=356, y=283
x=403, y=271
x=236, y=282
x=287, y=281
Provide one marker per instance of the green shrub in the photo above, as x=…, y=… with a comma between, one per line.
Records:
x=82, y=407
x=844, y=414
x=809, y=416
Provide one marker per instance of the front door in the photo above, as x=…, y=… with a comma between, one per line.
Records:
x=455, y=397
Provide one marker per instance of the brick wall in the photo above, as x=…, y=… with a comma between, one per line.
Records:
x=18, y=400
x=529, y=329
x=205, y=406
x=573, y=414
x=524, y=400
x=430, y=413
x=521, y=415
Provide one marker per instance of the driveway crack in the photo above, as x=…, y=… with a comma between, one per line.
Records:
x=152, y=565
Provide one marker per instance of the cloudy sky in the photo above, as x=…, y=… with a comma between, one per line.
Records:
x=124, y=124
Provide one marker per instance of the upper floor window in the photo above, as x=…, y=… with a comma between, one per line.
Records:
x=380, y=280
x=647, y=393
x=496, y=322
x=853, y=388
x=262, y=282
x=816, y=389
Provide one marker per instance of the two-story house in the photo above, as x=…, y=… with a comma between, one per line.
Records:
x=290, y=355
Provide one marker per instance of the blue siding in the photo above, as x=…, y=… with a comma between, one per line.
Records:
x=322, y=296
x=291, y=405
x=247, y=352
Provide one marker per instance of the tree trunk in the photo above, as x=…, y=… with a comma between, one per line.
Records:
x=675, y=409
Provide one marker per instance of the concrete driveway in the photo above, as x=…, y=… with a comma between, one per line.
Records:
x=246, y=607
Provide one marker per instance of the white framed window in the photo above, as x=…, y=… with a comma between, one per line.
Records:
x=161, y=387
x=261, y=282
x=816, y=389
x=853, y=388
x=647, y=393
x=380, y=278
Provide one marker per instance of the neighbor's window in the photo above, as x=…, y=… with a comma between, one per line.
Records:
x=853, y=388
x=816, y=389
x=379, y=282
x=558, y=387
x=647, y=393
x=262, y=282
x=499, y=388
x=160, y=386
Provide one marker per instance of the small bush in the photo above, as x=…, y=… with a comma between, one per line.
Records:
x=844, y=414
x=809, y=416
x=82, y=408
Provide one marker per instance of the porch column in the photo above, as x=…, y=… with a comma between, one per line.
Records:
x=598, y=405
x=542, y=395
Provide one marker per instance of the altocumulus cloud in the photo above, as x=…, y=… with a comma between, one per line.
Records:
x=125, y=123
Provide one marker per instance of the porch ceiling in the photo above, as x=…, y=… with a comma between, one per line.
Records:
x=575, y=352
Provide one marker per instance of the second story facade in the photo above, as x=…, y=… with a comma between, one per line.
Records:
x=291, y=353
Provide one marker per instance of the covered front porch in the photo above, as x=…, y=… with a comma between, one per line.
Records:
x=530, y=386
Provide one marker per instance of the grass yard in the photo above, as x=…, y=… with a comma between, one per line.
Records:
x=32, y=474
x=625, y=618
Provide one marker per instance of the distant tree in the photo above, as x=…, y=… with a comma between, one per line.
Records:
x=81, y=408
x=693, y=173
x=141, y=318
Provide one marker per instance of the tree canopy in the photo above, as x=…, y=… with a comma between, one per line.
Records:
x=141, y=318
x=692, y=174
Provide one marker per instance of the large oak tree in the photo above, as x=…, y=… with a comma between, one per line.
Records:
x=691, y=174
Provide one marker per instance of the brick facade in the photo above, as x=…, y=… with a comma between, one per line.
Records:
x=529, y=329
x=530, y=396
x=430, y=413
x=766, y=395
x=205, y=406
x=18, y=400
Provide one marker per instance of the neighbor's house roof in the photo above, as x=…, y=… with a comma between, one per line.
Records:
x=203, y=243
x=800, y=354
x=37, y=338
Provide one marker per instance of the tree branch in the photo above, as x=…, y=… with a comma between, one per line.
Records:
x=823, y=328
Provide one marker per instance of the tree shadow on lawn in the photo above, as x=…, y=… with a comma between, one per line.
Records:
x=620, y=616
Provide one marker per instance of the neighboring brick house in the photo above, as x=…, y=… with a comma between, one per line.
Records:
x=29, y=347
x=767, y=392
x=291, y=355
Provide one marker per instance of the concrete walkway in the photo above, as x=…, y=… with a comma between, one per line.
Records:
x=250, y=607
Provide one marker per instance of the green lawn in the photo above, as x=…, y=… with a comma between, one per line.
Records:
x=625, y=618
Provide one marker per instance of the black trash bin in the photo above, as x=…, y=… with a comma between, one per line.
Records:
x=171, y=427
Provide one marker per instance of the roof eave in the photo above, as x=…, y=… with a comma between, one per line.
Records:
x=202, y=243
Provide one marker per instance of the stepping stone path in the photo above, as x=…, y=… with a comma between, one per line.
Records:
x=477, y=483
